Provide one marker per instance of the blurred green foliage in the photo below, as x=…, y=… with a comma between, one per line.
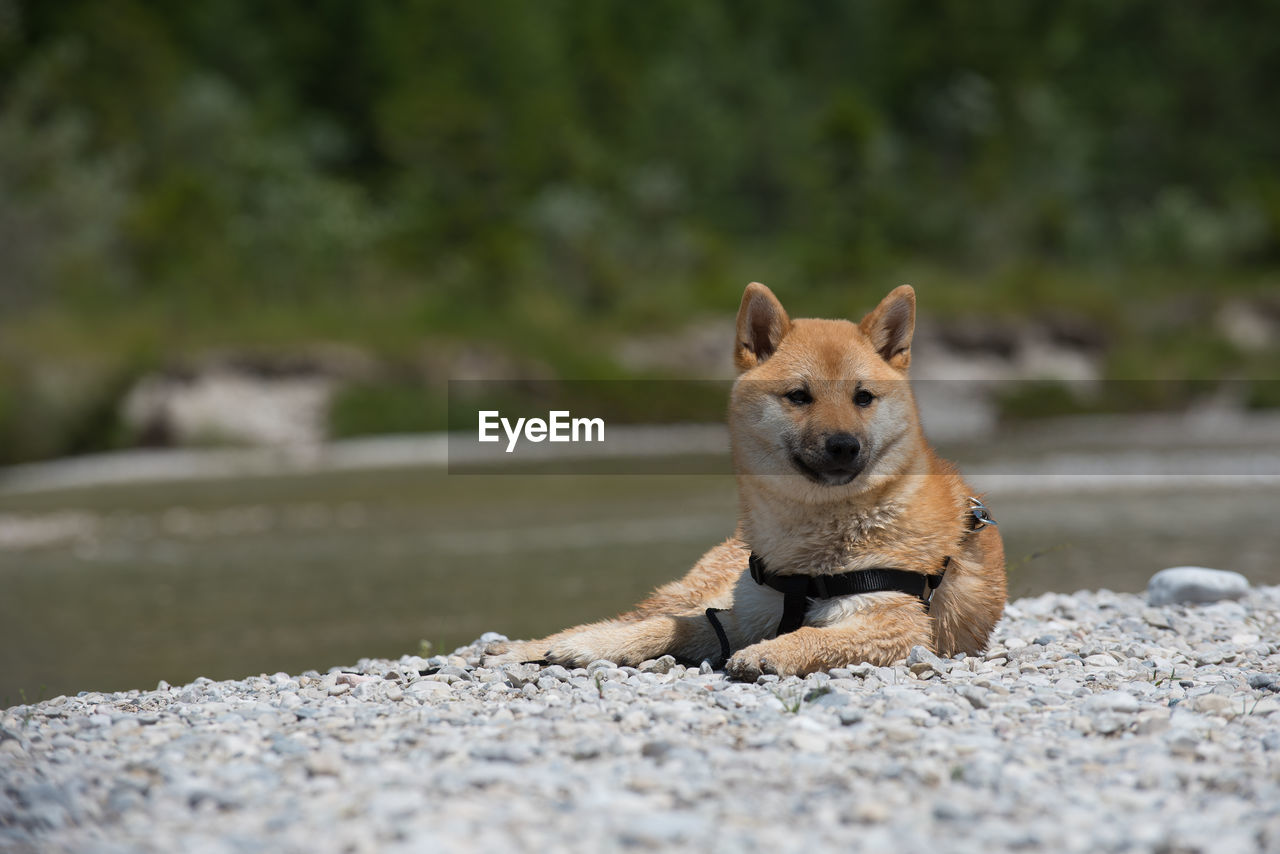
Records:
x=176, y=177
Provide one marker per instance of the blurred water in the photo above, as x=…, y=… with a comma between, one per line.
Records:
x=120, y=586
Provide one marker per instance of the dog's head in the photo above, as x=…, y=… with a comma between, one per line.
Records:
x=823, y=400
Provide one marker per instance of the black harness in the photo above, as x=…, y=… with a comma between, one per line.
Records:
x=797, y=590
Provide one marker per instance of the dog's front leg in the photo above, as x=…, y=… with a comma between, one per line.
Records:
x=518, y=652
x=880, y=636
x=630, y=642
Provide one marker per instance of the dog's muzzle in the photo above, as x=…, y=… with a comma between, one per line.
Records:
x=838, y=460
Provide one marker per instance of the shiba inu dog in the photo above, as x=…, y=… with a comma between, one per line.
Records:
x=855, y=542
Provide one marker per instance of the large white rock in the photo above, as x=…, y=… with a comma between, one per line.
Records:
x=1195, y=584
x=226, y=406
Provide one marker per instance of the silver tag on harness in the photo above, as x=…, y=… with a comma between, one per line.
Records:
x=981, y=515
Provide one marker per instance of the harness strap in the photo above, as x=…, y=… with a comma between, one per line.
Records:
x=797, y=590
x=725, y=652
x=795, y=601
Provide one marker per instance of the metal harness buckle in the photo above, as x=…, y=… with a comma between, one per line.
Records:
x=981, y=515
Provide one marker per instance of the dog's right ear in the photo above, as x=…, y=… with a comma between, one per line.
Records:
x=762, y=323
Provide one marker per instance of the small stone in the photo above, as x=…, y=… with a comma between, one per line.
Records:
x=849, y=717
x=453, y=673
x=519, y=675
x=808, y=741
x=994, y=687
x=428, y=689
x=1210, y=704
x=656, y=749
x=947, y=811
x=324, y=763
x=1265, y=681
x=825, y=697
x=585, y=750
x=635, y=719
x=1112, y=701
x=1107, y=724
x=1209, y=657
x=1156, y=618
x=557, y=672
x=1185, y=744
x=870, y=812
x=516, y=753
x=901, y=731
x=366, y=690
x=977, y=697
x=658, y=665
x=1151, y=723
x=921, y=661
x=1195, y=584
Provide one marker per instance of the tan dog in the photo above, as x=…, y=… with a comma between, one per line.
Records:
x=855, y=541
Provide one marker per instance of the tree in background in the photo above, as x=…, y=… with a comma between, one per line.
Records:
x=189, y=174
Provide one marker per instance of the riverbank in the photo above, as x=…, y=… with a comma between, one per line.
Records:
x=1065, y=454
x=1093, y=723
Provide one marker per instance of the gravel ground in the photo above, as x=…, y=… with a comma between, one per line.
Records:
x=1094, y=723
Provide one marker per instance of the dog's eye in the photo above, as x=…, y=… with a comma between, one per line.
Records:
x=862, y=397
x=799, y=397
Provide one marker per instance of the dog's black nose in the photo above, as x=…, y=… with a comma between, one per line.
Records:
x=842, y=447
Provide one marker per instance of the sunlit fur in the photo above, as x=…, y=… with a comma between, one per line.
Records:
x=804, y=511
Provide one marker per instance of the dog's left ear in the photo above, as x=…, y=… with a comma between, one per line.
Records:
x=890, y=326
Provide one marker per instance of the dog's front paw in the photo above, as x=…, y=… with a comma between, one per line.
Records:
x=513, y=652
x=625, y=644
x=748, y=665
x=499, y=647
